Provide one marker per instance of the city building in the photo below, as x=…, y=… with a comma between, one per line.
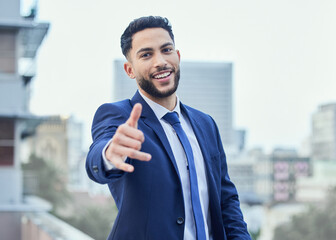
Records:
x=252, y=173
x=242, y=175
x=324, y=133
x=20, y=39
x=315, y=188
x=269, y=179
x=288, y=167
x=21, y=217
x=206, y=86
x=58, y=139
x=263, y=175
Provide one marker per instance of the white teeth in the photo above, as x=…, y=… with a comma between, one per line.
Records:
x=162, y=75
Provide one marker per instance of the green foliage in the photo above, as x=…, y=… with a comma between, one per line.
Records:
x=255, y=235
x=317, y=223
x=51, y=181
x=95, y=221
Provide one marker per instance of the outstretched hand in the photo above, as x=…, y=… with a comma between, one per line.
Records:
x=127, y=142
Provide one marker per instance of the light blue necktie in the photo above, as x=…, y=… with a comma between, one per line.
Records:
x=173, y=120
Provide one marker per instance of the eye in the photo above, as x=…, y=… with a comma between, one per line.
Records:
x=167, y=50
x=145, y=55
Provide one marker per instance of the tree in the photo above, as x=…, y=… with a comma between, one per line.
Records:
x=316, y=223
x=51, y=182
x=95, y=221
x=254, y=234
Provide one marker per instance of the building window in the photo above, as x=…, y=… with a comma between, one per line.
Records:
x=6, y=142
x=7, y=51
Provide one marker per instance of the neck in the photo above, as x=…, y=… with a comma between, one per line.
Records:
x=167, y=102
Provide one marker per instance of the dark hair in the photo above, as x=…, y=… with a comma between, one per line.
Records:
x=140, y=24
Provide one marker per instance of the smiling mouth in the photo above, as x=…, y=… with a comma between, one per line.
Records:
x=162, y=75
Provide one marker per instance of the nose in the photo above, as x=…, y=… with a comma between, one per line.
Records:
x=159, y=61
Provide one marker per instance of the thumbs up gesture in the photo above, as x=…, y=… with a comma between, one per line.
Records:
x=127, y=142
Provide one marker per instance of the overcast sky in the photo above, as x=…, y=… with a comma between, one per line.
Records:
x=284, y=55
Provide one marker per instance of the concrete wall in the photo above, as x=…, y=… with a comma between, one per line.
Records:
x=9, y=10
x=13, y=95
x=10, y=225
x=10, y=185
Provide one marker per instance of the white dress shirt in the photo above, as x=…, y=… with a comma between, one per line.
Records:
x=181, y=162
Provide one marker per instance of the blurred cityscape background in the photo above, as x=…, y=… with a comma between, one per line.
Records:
x=264, y=71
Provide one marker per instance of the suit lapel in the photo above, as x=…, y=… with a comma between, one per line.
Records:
x=214, y=201
x=198, y=133
x=149, y=118
x=203, y=144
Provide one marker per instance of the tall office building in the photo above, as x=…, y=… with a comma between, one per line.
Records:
x=20, y=38
x=324, y=133
x=206, y=86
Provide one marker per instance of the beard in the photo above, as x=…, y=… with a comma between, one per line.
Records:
x=148, y=86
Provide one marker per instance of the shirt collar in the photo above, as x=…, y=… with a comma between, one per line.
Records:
x=159, y=110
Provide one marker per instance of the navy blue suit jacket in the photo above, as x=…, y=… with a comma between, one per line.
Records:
x=150, y=200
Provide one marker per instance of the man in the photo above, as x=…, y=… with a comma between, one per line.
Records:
x=163, y=161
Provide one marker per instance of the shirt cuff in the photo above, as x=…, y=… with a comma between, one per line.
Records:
x=107, y=164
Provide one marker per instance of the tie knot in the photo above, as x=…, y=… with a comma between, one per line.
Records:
x=171, y=118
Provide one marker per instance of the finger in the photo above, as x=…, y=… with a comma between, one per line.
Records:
x=130, y=152
x=131, y=132
x=134, y=116
x=124, y=166
x=121, y=139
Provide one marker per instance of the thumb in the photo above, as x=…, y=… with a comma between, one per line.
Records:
x=134, y=116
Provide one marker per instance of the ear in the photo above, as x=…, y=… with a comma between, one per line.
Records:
x=178, y=54
x=129, y=69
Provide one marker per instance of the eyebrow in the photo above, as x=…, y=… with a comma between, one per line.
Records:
x=166, y=45
x=151, y=49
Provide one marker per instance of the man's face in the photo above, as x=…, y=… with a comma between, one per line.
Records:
x=154, y=62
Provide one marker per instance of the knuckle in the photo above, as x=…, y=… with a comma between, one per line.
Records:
x=122, y=127
x=138, y=146
x=132, y=153
x=112, y=147
x=117, y=165
x=108, y=153
x=116, y=137
x=140, y=135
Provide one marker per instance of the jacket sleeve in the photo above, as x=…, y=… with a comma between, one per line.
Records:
x=234, y=224
x=107, y=119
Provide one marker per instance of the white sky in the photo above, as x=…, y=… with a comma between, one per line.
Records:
x=284, y=55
